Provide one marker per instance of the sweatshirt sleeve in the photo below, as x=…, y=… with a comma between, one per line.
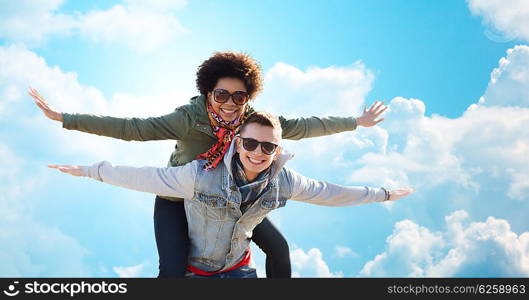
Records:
x=308, y=190
x=170, y=181
x=300, y=128
x=172, y=126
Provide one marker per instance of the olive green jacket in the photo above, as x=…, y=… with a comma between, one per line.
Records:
x=189, y=126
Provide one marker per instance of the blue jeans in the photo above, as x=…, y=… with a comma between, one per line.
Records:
x=241, y=272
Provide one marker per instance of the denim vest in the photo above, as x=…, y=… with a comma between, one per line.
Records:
x=220, y=234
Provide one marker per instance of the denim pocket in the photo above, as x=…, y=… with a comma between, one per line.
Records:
x=215, y=207
x=244, y=272
x=272, y=203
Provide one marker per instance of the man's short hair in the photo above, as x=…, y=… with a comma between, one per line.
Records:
x=264, y=119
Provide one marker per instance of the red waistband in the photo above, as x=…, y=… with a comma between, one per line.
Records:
x=244, y=261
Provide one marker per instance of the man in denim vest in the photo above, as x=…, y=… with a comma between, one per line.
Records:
x=223, y=205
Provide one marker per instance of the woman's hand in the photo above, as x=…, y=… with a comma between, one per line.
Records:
x=369, y=116
x=68, y=169
x=44, y=106
x=399, y=193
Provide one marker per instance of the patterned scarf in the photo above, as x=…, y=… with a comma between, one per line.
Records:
x=250, y=191
x=224, y=131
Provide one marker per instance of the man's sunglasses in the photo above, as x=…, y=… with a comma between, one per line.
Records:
x=222, y=96
x=250, y=144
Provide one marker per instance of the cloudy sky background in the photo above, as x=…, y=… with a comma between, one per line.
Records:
x=455, y=75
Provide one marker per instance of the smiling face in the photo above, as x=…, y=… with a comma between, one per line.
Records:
x=255, y=161
x=228, y=111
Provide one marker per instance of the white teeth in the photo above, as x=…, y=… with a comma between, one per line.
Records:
x=254, y=160
x=228, y=111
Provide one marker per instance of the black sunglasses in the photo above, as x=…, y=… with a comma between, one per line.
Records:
x=250, y=144
x=238, y=97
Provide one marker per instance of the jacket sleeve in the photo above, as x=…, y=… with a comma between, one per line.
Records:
x=300, y=128
x=172, y=126
x=308, y=190
x=171, y=181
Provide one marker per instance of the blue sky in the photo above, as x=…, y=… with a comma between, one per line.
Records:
x=454, y=74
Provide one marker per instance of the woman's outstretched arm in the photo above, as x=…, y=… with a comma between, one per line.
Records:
x=172, y=126
x=300, y=128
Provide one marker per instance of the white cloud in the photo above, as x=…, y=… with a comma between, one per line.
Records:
x=20, y=68
x=140, y=25
x=385, y=155
x=310, y=264
x=29, y=247
x=32, y=249
x=486, y=143
x=317, y=91
x=433, y=150
x=343, y=251
x=141, y=29
x=509, y=17
x=509, y=82
x=160, y=5
x=32, y=22
x=132, y=271
x=478, y=249
x=334, y=91
x=427, y=152
x=304, y=264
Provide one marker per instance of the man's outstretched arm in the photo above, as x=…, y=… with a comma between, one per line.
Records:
x=171, y=181
x=324, y=193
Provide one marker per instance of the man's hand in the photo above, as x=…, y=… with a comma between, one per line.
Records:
x=44, y=106
x=399, y=193
x=68, y=169
x=369, y=116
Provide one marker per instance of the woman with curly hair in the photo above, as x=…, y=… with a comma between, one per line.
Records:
x=204, y=129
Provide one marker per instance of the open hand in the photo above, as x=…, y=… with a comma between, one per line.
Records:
x=399, y=193
x=74, y=170
x=44, y=106
x=367, y=119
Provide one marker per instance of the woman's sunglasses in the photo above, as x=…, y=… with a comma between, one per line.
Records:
x=250, y=144
x=222, y=96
